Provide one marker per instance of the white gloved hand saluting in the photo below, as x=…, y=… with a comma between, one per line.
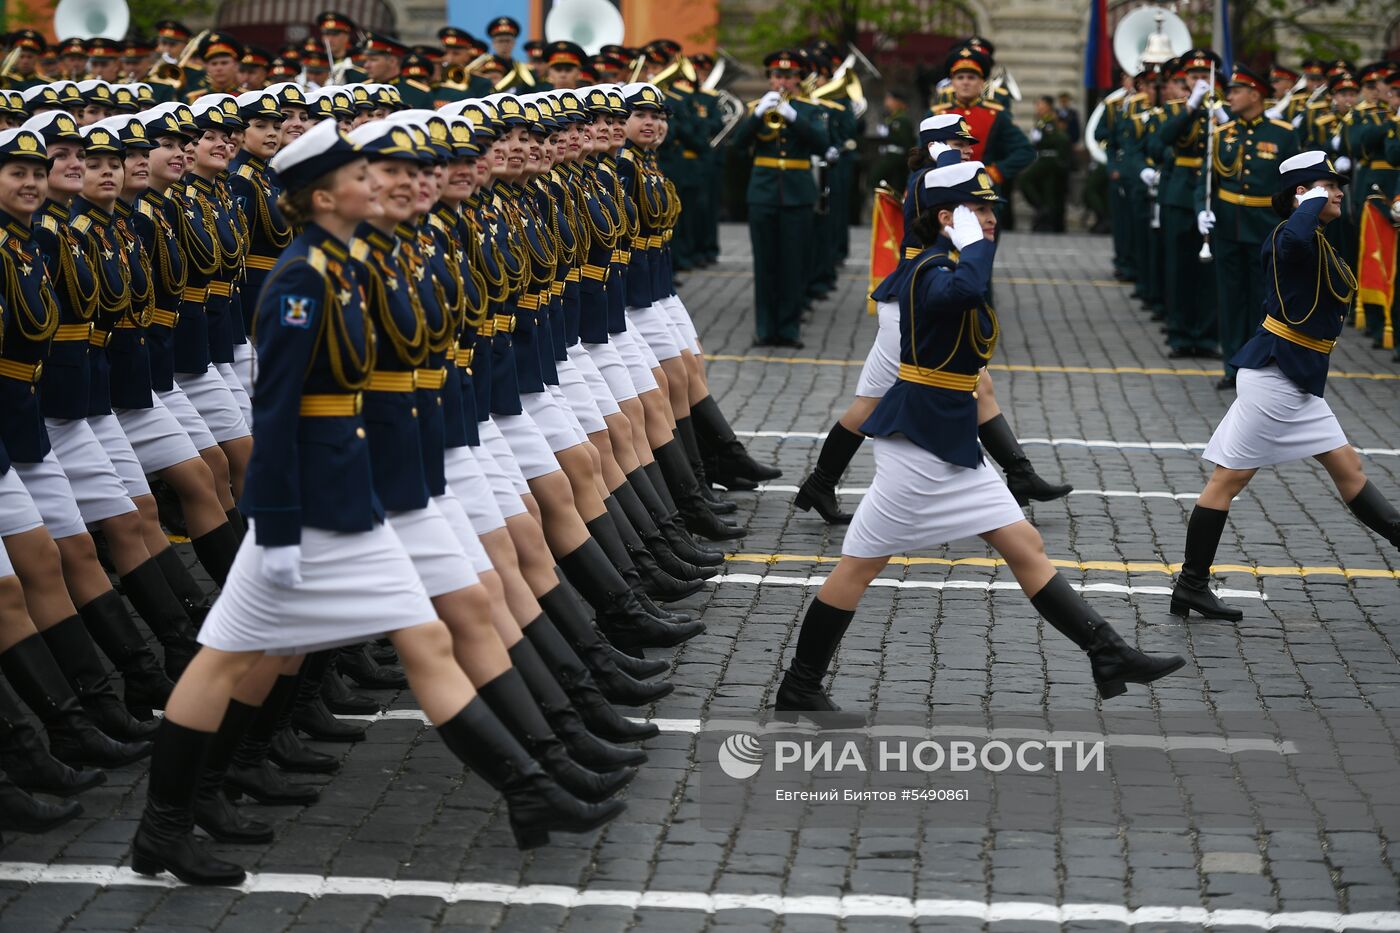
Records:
x=937, y=149
x=281, y=566
x=1199, y=90
x=966, y=229
x=1205, y=220
x=1312, y=194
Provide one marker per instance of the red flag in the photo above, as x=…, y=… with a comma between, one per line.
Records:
x=1375, y=273
x=886, y=233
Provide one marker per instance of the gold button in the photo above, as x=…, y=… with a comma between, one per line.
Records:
x=974, y=393
x=360, y=432
x=415, y=411
x=141, y=342
x=469, y=370
x=439, y=401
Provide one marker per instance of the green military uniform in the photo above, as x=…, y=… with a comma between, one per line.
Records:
x=892, y=166
x=1130, y=133
x=1390, y=151
x=781, y=198
x=846, y=129
x=1045, y=182
x=1188, y=288
x=416, y=94
x=1363, y=137
x=1248, y=153
x=1106, y=133
x=708, y=122
x=821, y=279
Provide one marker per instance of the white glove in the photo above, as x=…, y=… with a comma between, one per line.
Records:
x=1274, y=113
x=767, y=102
x=1221, y=115
x=1336, y=142
x=788, y=111
x=1312, y=194
x=966, y=230
x=832, y=154
x=937, y=149
x=282, y=565
x=1199, y=90
x=1343, y=164
x=1297, y=121
x=1036, y=135
x=1205, y=220
x=1148, y=176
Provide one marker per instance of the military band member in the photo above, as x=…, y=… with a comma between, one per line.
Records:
x=220, y=53
x=1248, y=151
x=72, y=60
x=337, y=35
x=518, y=76
x=24, y=70
x=1045, y=182
x=252, y=68
x=784, y=132
x=1280, y=414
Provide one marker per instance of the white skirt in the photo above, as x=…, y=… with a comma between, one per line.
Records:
x=881, y=368
x=528, y=446
x=354, y=587
x=234, y=378
x=640, y=363
x=433, y=547
x=210, y=395
x=96, y=486
x=462, y=528
x=109, y=432
x=52, y=495
x=1272, y=421
x=653, y=325
x=17, y=511
x=607, y=359
x=473, y=492
x=684, y=325
x=554, y=423
x=502, y=472
x=178, y=404
x=563, y=400
x=580, y=398
x=919, y=501
x=157, y=436
x=597, y=385
x=7, y=569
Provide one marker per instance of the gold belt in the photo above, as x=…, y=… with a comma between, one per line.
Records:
x=72, y=332
x=572, y=276
x=1245, y=200
x=623, y=256
x=1280, y=329
x=689, y=154
x=430, y=378
x=486, y=328
x=594, y=273
x=525, y=303
x=785, y=165
x=1379, y=165
x=99, y=338
x=937, y=378
x=464, y=356
x=262, y=263
x=24, y=372
x=220, y=289
x=165, y=318
x=505, y=323
x=195, y=294
x=1190, y=161
x=655, y=242
x=331, y=406
x=389, y=381
x=556, y=289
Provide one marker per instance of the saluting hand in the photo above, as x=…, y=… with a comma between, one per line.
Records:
x=966, y=229
x=1312, y=194
x=282, y=565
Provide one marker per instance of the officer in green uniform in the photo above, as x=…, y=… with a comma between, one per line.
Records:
x=220, y=53
x=821, y=274
x=1390, y=152
x=679, y=154
x=1045, y=182
x=708, y=115
x=460, y=49
x=337, y=30
x=24, y=70
x=1362, y=150
x=846, y=131
x=896, y=139
x=1239, y=217
x=1188, y=288
x=415, y=81
x=503, y=32
x=1106, y=134
x=784, y=133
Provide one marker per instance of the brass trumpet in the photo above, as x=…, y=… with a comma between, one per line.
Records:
x=775, y=121
x=164, y=72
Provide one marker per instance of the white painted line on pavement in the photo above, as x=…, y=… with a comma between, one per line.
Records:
x=1073, y=442
x=850, y=905
x=773, y=579
x=1104, y=493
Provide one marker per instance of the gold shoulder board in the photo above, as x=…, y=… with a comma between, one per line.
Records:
x=359, y=249
x=316, y=258
x=993, y=105
x=1283, y=125
x=82, y=224
x=48, y=223
x=246, y=171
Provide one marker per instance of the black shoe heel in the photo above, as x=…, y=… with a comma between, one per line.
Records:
x=530, y=837
x=1179, y=608
x=1109, y=689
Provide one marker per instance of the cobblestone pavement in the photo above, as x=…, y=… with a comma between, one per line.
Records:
x=403, y=841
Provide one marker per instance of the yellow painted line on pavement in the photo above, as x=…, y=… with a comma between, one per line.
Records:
x=1114, y=566
x=1027, y=368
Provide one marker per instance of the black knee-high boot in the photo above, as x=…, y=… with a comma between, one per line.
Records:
x=73, y=738
x=731, y=460
x=165, y=839
x=1114, y=662
x=309, y=712
x=238, y=523
x=538, y=805
x=251, y=771
x=619, y=615
x=578, y=684
x=574, y=621
x=72, y=647
x=27, y=814
x=685, y=489
x=801, y=690
x=288, y=751
x=213, y=811
x=663, y=512
x=216, y=551
x=1192, y=589
x=1021, y=478
x=158, y=606
x=28, y=763
x=640, y=519
x=1376, y=513
x=818, y=490
x=547, y=687
x=144, y=684
x=685, y=432
x=656, y=582
x=510, y=699
x=192, y=596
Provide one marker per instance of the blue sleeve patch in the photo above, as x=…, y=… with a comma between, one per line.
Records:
x=297, y=311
